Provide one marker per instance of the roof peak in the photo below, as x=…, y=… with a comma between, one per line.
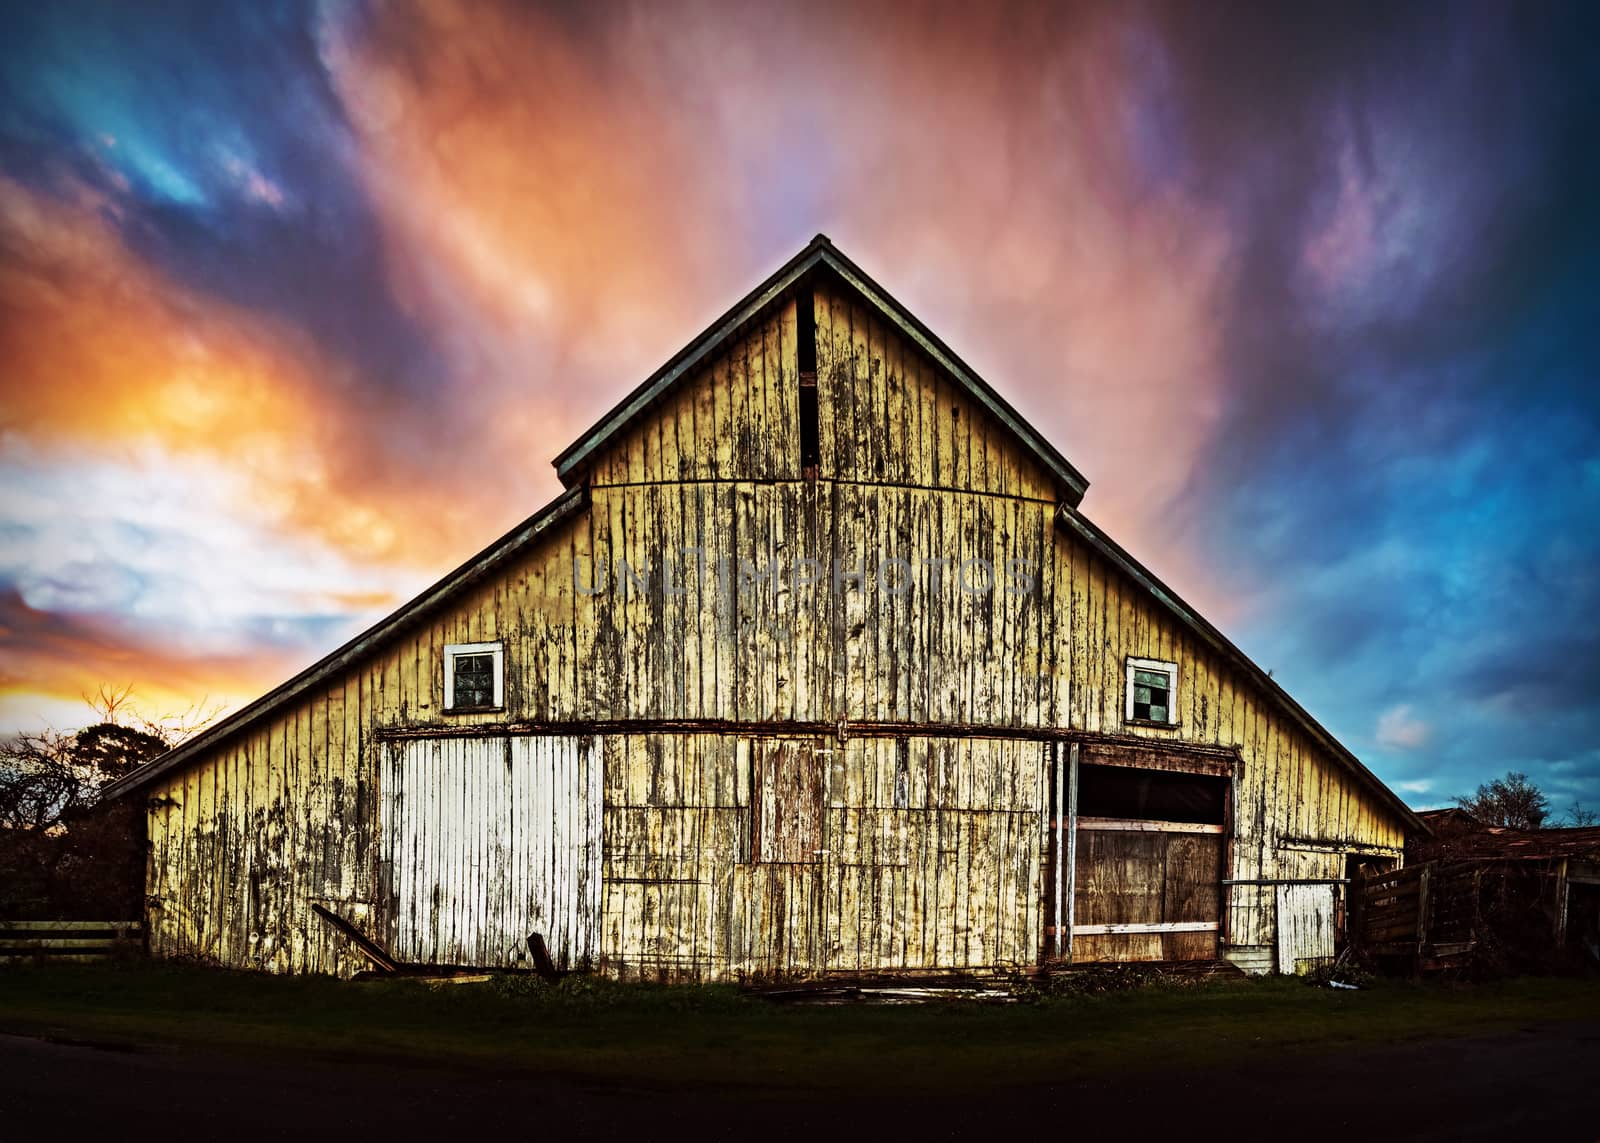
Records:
x=819, y=253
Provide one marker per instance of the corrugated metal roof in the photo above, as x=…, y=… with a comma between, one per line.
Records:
x=1470, y=840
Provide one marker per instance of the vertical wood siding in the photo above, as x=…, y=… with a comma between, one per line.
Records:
x=286, y=814
x=929, y=851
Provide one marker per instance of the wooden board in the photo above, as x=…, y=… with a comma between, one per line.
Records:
x=786, y=798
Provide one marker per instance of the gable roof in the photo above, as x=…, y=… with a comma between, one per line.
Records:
x=819, y=255
x=1450, y=817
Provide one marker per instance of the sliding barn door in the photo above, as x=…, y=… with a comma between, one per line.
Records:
x=490, y=840
x=1146, y=891
x=1147, y=863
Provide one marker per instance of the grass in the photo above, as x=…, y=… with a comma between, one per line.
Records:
x=603, y=1031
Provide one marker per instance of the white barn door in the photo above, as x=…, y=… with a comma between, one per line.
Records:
x=489, y=840
x=1305, y=926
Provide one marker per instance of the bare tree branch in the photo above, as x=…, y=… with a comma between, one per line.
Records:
x=1509, y=801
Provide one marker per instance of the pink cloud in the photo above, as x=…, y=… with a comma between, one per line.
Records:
x=1400, y=729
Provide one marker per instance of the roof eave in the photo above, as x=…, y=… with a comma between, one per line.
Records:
x=356, y=649
x=1088, y=531
x=571, y=462
x=1074, y=484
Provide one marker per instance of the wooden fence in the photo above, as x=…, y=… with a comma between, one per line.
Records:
x=69, y=940
x=1423, y=912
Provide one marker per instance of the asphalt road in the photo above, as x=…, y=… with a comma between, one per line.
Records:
x=1536, y=1083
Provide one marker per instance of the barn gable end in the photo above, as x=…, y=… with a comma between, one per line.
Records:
x=654, y=687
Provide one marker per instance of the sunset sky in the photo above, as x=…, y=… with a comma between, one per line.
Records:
x=298, y=301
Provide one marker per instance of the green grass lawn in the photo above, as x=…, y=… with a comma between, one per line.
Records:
x=665, y=1035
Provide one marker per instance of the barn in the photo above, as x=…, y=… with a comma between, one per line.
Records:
x=814, y=669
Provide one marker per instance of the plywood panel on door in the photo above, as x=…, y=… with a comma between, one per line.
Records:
x=1146, y=894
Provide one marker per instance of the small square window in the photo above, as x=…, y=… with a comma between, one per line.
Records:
x=474, y=676
x=1152, y=691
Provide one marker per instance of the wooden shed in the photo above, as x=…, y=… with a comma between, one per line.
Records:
x=1485, y=898
x=814, y=668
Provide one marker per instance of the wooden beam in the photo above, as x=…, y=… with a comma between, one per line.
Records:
x=1422, y=908
x=1149, y=927
x=1072, y=842
x=1140, y=825
x=368, y=947
x=1177, y=760
x=1058, y=787
x=52, y=926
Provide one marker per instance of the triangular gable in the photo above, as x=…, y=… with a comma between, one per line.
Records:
x=819, y=255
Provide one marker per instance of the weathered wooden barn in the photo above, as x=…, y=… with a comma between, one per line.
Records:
x=815, y=668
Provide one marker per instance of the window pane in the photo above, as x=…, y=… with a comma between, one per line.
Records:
x=1141, y=710
x=1150, y=678
x=1141, y=694
x=1158, y=714
x=474, y=680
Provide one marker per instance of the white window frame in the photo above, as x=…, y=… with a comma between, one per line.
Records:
x=451, y=650
x=1171, y=671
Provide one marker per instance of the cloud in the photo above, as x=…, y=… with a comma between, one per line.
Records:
x=1400, y=729
x=142, y=572
x=574, y=193
x=106, y=353
x=1307, y=297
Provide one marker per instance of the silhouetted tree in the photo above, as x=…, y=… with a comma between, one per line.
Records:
x=1509, y=801
x=1578, y=815
x=49, y=776
x=63, y=855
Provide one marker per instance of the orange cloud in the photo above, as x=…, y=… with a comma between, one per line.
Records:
x=575, y=194
x=104, y=351
x=53, y=661
x=565, y=198
x=550, y=214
